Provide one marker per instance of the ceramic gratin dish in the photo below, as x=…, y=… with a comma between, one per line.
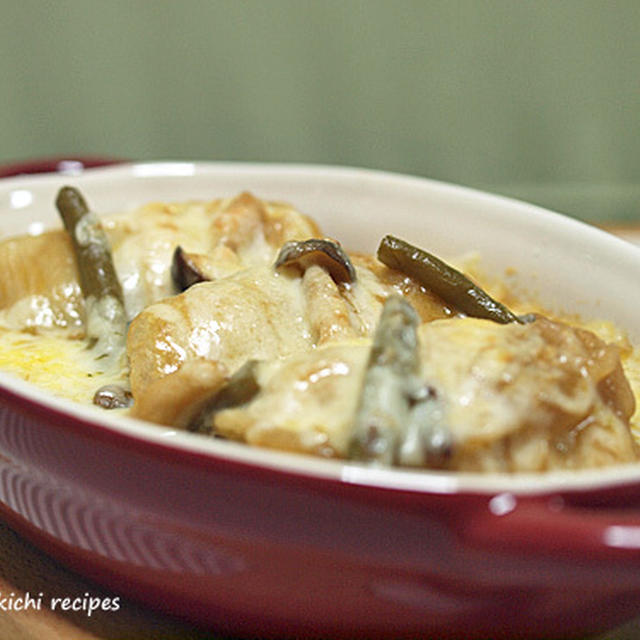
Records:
x=269, y=544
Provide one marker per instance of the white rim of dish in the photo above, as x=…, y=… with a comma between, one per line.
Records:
x=423, y=481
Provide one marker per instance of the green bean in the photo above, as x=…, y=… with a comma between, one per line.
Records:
x=106, y=320
x=445, y=281
x=241, y=387
x=400, y=419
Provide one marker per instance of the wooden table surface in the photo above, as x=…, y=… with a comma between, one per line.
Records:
x=24, y=569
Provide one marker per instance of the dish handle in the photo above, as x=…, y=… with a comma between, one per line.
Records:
x=553, y=527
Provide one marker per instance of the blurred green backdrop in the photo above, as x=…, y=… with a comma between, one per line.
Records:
x=537, y=99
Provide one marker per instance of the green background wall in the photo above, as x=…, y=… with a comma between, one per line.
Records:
x=538, y=99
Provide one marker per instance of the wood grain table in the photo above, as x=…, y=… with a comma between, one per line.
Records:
x=26, y=570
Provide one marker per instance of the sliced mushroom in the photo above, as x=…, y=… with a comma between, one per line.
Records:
x=113, y=396
x=322, y=252
x=188, y=268
x=327, y=310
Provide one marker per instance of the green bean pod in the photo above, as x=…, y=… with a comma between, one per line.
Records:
x=399, y=419
x=241, y=388
x=445, y=281
x=106, y=320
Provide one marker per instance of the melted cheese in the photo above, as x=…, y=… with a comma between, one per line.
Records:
x=64, y=367
x=514, y=397
x=41, y=290
x=307, y=401
x=251, y=314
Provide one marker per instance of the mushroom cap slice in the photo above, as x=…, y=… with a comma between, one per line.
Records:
x=320, y=251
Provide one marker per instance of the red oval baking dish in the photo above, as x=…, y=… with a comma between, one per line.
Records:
x=263, y=543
